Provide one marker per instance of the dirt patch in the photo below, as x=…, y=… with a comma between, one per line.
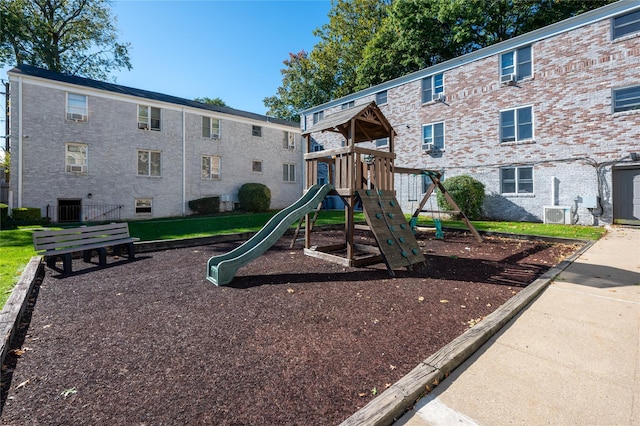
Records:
x=293, y=340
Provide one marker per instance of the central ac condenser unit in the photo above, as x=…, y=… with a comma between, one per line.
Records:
x=557, y=214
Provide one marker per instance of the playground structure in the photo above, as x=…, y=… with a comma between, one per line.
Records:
x=362, y=175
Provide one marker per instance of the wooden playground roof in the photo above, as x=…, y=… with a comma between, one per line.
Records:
x=370, y=123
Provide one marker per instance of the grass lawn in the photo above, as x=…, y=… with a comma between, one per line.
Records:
x=16, y=245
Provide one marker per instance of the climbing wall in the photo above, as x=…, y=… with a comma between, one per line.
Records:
x=389, y=226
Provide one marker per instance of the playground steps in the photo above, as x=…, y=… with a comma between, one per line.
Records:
x=395, y=239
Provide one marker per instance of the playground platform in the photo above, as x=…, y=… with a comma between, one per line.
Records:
x=571, y=357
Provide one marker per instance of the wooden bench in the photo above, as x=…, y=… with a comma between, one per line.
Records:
x=64, y=242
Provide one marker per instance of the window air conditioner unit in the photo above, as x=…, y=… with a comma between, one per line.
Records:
x=438, y=97
x=143, y=126
x=428, y=147
x=559, y=215
x=76, y=169
x=508, y=79
x=77, y=117
x=215, y=136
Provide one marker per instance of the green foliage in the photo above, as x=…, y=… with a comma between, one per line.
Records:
x=468, y=194
x=210, y=101
x=329, y=71
x=27, y=215
x=4, y=213
x=254, y=197
x=206, y=205
x=75, y=37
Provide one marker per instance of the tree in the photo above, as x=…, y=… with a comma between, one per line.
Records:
x=75, y=37
x=210, y=101
x=329, y=71
x=421, y=33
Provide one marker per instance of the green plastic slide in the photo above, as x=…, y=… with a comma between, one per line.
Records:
x=221, y=269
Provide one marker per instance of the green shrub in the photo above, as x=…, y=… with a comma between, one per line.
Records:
x=27, y=214
x=254, y=197
x=468, y=194
x=206, y=205
x=4, y=212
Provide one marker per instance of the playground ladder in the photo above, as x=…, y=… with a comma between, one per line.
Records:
x=295, y=238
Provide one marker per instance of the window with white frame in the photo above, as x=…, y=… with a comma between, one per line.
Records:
x=317, y=116
x=210, y=128
x=433, y=136
x=143, y=205
x=516, y=180
x=256, y=166
x=432, y=88
x=77, y=109
x=626, y=99
x=76, y=158
x=210, y=167
x=149, y=118
x=149, y=163
x=382, y=142
x=256, y=131
x=626, y=24
x=381, y=97
x=347, y=105
x=515, y=65
x=516, y=124
x=289, y=140
x=289, y=172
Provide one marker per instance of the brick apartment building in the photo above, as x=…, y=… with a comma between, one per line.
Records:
x=548, y=121
x=88, y=150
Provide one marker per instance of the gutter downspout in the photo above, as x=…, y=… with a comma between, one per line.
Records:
x=20, y=141
x=184, y=163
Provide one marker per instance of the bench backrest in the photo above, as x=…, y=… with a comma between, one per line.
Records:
x=78, y=237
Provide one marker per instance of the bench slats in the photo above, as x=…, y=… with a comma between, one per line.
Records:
x=85, y=239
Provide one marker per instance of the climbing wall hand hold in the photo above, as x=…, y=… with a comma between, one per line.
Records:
x=378, y=215
x=368, y=192
x=414, y=250
x=392, y=203
x=403, y=226
x=390, y=215
x=390, y=241
x=401, y=239
x=404, y=253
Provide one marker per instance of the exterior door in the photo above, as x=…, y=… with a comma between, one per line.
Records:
x=626, y=196
x=69, y=210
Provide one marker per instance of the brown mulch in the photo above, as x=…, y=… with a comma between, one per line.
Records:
x=293, y=340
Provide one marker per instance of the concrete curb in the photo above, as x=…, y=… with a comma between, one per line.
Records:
x=393, y=402
x=16, y=305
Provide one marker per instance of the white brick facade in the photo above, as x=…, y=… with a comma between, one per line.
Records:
x=577, y=138
x=40, y=130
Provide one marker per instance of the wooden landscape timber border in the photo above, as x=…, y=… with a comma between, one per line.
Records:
x=393, y=402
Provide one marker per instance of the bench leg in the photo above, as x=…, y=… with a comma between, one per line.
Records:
x=102, y=256
x=66, y=263
x=51, y=261
x=86, y=255
x=130, y=250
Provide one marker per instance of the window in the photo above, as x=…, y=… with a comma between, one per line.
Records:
x=148, y=118
x=347, y=105
x=143, y=205
x=626, y=24
x=380, y=143
x=256, y=166
x=626, y=99
x=515, y=65
x=317, y=116
x=149, y=163
x=210, y=128
x=256, y=131
x=289, y=141
x=516, y=180
x=77, y=109
x=432, y=86
x=516, y=124
x=76, y=158
x=381, y=98
x=210, y=167
x=289, y=172
x=433, y=136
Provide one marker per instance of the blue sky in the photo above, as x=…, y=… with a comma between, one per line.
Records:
x=231, y=49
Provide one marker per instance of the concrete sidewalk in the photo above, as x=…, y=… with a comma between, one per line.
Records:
x=570, y=358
